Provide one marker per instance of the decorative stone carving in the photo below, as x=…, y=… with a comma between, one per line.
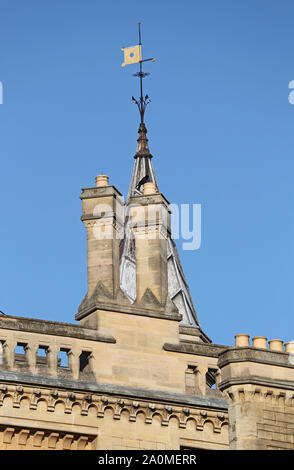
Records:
x=117, y=405
x=23, y=436
x=38, y=438
x=52, y=440
x=67, y=441
x=7, y=435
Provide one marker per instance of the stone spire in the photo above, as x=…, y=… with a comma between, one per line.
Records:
x=131, y=252
x=143, y=171
x=178, y=289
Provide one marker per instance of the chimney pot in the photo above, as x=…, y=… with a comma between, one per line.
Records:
x=289, y=347
x=260, y=342
x=101, y=180
x=276, y=345
x=149, y=188
x=242, y=340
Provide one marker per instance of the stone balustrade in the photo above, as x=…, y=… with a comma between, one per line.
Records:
x=76, y=363
x=48, y=348
x=58, y=350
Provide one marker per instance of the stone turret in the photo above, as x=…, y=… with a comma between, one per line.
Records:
x=259, y=385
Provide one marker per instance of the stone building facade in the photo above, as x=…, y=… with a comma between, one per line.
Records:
x=138, y=371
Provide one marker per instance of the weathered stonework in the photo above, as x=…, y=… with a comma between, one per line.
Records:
x=259, y=387
x=137, y=371
x=95, y=421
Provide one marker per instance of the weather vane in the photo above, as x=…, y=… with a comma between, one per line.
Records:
x=132, y=55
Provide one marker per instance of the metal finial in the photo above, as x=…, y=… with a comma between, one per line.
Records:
x=142, y=101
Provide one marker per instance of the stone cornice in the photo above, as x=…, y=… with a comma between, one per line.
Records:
x=33, y=325
x=262, y=356
x=199, y=349
x=94, y=192
x=145, y=200
x=194, y=331
x=114, y=390
x=112, y=216
x=131, y=309
x=256, y=380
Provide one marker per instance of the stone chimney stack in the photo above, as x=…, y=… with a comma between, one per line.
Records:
x=150, y=221
x=102, y=215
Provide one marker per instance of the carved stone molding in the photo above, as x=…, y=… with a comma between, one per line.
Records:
x=116, y=405
x=259, y=394
x=18, y=437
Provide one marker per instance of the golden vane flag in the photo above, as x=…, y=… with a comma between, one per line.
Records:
x=132, y=55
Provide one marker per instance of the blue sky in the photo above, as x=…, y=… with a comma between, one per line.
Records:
x=220, y=127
